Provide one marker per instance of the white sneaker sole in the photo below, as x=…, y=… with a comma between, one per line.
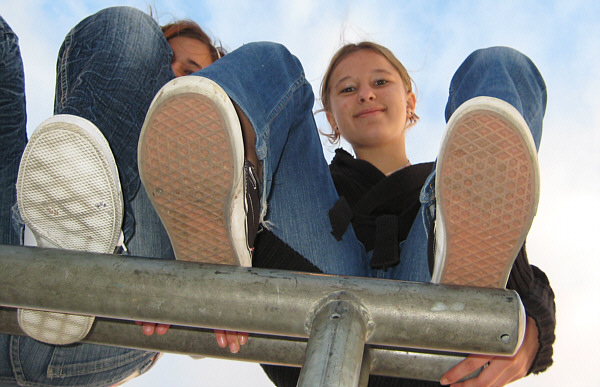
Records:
x=69, y=195
x=487, y=190
x=191, y=158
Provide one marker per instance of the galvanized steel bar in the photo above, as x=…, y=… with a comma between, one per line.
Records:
x=264, y=349
x=335, y=347
x=400, y=314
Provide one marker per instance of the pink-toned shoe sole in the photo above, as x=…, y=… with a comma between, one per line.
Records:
x=186, y=165
x=487, y=191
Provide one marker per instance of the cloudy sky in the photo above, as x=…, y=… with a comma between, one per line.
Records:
x=431, y=39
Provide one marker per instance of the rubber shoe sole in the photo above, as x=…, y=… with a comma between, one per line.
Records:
x=69, y=195
x=191, y=159
x=487, y=190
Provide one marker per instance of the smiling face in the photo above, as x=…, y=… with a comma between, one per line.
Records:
x=368, y=101
x=189, y=55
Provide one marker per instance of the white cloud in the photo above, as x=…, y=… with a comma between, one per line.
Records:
x=431, y=40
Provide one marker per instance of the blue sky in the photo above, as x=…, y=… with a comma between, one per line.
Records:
x=431, y=39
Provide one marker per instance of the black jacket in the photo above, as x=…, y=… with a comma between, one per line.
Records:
x=367, y=199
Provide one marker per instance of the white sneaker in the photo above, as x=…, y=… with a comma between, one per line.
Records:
x=487, y=190
x=191, y=162
x=69, y=195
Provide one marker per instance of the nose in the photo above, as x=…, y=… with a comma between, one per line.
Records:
x=366, y=93
x=177, y=70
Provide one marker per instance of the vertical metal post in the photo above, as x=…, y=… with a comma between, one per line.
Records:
x=334, y=353
x=365, y=368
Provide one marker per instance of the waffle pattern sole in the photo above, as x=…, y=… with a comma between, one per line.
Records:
x=186, y=163
x=487, y=187
x=54, y=328
x=68, y=193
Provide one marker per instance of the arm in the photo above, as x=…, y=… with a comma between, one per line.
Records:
x=535, y=355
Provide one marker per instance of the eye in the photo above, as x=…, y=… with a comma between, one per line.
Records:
x=348, y=89
x=380, y=82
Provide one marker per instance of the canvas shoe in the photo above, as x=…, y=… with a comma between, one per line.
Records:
x=487, y=189
x=191, y=162
x=69, y=196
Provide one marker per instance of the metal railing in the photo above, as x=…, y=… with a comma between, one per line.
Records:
x=339, y=329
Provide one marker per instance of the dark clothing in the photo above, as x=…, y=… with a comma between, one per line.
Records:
x=370, y=195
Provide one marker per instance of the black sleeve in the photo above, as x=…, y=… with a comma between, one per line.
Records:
x=538, y=299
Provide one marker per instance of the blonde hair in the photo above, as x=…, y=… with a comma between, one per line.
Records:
x=342, y=53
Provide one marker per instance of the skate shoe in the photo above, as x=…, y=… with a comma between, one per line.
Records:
x=487, y=190
x=69, y=196
x=191, y=162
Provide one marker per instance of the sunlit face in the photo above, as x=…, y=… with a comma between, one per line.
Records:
x=369, y=101
x=189, y=55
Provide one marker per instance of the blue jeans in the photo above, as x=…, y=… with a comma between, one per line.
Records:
x=109, y=68
x=13, y=136
x=268, y=83
x=499, y=72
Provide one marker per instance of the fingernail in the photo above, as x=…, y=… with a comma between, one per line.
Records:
x=234, y=348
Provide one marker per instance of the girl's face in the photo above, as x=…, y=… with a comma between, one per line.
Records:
x=369, y=101
x=189, y=55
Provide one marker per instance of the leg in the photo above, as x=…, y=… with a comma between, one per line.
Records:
x=109, y=68
x=13, y=136
x=506, y=74
x=267, y=83
x=91, y=62
x=495, y=72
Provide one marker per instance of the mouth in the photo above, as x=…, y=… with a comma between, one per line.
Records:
x=368, y=112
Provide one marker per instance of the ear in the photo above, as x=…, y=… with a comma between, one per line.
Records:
x=411, y=101
x=331, y=120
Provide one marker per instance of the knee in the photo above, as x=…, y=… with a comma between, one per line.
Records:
x=273, y=54
x=120, y=16
x=500, y=54
x=124, y=23
x=122, y=32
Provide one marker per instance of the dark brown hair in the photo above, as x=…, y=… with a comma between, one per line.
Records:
x=191, y=29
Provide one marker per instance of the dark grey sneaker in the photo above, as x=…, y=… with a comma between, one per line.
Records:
x=191, y=162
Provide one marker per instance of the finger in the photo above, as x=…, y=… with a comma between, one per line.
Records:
x=148, y=328
x=471, y=364
x=139, y=322
x=243, y=337
x=221, y=338
x=232, y=339
x=161, y=329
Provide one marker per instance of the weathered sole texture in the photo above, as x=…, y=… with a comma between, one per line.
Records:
x=192, y=168
x=487, y=189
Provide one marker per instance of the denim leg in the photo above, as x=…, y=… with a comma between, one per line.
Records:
x=499, y=72
x=26, y=362
x=506, y=74
x=269, y=85
x=110, y=67
x=148, y=235
x=13, y=135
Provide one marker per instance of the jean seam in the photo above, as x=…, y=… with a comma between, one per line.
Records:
x=285, y=98
x=96, y=366
x=63, y=68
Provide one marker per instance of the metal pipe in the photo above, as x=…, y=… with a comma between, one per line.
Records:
x=263, y=349
x=401, y=314
x=335, y=347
